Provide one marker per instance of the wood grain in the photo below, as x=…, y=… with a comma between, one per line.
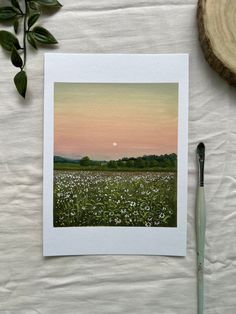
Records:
x=217, y=34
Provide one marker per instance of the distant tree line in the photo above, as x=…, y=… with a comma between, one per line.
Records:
x=146, y=161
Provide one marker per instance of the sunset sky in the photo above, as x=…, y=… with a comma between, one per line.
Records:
x=111, y=121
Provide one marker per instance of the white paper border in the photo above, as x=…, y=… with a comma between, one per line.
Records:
x=115, y=68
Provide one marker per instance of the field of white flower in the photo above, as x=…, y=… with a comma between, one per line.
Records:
x=93, y=198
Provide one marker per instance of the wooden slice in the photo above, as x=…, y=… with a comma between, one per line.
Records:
x=217, y=35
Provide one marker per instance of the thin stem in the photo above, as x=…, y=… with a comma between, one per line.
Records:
x=25, y=33
x=22, y=13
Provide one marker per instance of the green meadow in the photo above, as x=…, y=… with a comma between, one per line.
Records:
x=114, y=198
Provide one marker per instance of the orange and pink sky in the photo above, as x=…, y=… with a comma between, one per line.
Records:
x=111, y=121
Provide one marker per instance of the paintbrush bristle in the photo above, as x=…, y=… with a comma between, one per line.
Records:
x=201, y=151
x=201, y=160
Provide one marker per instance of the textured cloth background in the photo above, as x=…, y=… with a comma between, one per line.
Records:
x=32, y=284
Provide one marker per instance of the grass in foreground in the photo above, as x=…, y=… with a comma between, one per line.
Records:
x=89, y=198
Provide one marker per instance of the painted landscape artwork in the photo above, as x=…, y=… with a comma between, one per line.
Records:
x=115, y=154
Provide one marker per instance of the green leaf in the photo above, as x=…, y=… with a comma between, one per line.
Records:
x=33, y=19
x=43, y=36
x=31, y=40
x=16, y=58
x=20, y=81
x=50, y=3
x=16, y=4
x=16, y=25
x=7, y=13
x=33, y=5
x=8, y=40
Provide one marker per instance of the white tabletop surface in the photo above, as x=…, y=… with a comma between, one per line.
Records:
x=32, y=284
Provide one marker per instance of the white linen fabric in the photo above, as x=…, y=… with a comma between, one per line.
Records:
x=32, y=284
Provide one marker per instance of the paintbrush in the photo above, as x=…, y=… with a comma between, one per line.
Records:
x=200, y=227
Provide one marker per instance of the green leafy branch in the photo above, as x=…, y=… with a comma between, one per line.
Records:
x=26, y=12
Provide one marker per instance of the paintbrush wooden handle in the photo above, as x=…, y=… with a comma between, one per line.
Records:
x=200, y=231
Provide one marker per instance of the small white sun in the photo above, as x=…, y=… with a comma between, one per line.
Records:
x=114, y=144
